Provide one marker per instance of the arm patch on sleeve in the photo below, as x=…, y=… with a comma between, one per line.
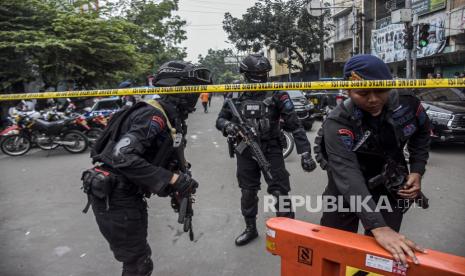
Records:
x=347, y=138
x=158, y=120
x=286, y=102
x=421, y=115
x=157, y=124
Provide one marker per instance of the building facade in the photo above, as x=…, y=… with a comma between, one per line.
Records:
x=365, y=27
x=444, y=52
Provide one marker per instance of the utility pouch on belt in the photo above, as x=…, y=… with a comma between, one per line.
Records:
x=98, y=183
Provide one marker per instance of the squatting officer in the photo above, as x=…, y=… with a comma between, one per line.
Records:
x=271, y=108
x=359, y=137
x=136, y=151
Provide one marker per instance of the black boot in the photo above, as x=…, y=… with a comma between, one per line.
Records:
x=249, y=233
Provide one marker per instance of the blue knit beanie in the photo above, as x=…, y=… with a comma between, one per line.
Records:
x=366, y=67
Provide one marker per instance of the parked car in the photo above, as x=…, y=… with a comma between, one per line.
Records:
x=324, y=100
x=104, y=106
x=446, y=109
x=303, y=108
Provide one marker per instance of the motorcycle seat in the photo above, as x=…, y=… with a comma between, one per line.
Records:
x=48, y=124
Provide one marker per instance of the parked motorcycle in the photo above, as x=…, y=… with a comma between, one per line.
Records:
x=18, y=139
x=95, y=124
x=90, y=126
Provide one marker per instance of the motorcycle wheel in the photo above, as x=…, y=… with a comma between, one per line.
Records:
x=92, y=135
x=80, y=141
x=16, y=145
x=46, y=145
x=288, y=143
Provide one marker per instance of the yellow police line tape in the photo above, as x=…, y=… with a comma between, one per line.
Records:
x=219, y=88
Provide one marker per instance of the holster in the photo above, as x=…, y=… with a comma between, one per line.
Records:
x=99, y=183
x=231, y=145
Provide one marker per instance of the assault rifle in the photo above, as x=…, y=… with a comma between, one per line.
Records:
x=394, y=177
x=183, y=205
x=249, y=139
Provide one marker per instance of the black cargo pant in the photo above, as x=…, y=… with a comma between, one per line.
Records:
x=349, y=221
x=124, y=226
x=249, y=173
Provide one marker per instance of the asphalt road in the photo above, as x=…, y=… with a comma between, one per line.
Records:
x=44, y=232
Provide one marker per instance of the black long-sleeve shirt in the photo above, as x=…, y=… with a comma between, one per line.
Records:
x=358, y=144
x=147, y=128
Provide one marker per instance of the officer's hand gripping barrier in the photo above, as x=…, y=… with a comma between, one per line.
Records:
x=309, y=249
x=249, y=139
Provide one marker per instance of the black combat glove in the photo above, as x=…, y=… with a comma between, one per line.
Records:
x=231, y=129
x=307, y=162
x=185, y=184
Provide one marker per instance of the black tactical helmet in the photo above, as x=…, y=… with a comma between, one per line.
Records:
x=255, y=68
x=179, y=73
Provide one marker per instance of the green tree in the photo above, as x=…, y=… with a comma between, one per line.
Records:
x=21, y=26
x=281, y=25
x=159, y=33
x=90, y=52
x=222, y=71
x=55, y=42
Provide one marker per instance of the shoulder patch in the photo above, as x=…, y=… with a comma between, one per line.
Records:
x=157, y=124
x=158, y=120
x=419, y=109
x=284, y=97
x=409, y=129
x=345, y=131
x=347, y=138
x=286, y=102
x=421, y=115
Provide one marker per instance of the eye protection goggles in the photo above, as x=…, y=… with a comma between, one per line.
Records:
x=199, y=74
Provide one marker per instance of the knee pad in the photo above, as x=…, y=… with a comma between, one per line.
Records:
x=249, y=203
x=249, y=194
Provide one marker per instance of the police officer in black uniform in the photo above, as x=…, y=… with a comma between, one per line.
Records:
x=136, y=152
x=278, y=106
x=358, y=138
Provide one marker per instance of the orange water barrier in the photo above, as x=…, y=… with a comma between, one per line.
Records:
x=309, y=249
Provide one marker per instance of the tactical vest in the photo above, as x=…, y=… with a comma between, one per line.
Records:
x=401, y=115
x=261, y=115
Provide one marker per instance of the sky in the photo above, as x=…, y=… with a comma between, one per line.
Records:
x=205, y=23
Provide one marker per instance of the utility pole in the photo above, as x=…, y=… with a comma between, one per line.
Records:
x=415, y=42
x=362, y=23
x=354, y=30
x=316, y=9
x=408, y=55
x=322, y=47
x=289, y=64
